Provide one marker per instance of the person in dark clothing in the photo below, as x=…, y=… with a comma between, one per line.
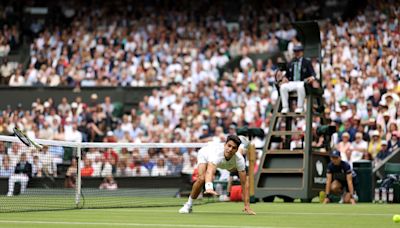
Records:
x=299, y=72
x=339, y=180
x=22, y=174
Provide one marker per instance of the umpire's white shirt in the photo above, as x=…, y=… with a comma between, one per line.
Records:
x=214, y=153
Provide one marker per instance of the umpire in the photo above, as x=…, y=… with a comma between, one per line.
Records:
x=299, y=73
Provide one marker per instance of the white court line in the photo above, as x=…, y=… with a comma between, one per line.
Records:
x=130, y=224
x=258, y=212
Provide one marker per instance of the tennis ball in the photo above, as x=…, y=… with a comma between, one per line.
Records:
x=396, y=218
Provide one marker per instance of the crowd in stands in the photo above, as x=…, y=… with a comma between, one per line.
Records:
x=198, y=102
x=9, y=30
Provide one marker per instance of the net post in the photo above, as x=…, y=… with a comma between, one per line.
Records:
x=78, y=186
x=252, y=161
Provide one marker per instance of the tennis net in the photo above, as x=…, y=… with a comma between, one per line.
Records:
x=68, y=175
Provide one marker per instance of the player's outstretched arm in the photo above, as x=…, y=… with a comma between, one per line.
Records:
x=211, y=169
x=245, y=193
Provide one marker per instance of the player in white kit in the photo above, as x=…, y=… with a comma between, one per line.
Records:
x=215, y=156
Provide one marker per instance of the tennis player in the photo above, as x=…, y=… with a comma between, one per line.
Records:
x=215, y=156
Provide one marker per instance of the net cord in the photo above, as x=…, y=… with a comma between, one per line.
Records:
x=107, y=145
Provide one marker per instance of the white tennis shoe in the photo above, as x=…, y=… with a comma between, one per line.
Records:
x=186, y=209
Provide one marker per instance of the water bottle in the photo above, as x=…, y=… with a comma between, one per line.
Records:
x=377, y=196
x=384, y=195
x=390, y=195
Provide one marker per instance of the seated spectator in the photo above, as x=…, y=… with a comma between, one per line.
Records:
x=5, y=72
x=175, y=165
x=375, y=144
x=70, y=176
x=108, y=184
x=160, y=169
x=106, y=167
x=139, y=170
x=394, y=142
x=98, y=165
x=22, y=174
x=345, y=147
x=122, y=169
x=383, y=153
x=124, y=154
x=297, y=142
x=189, y=166
x=358, y=148
x=6, y=169
x=87, y=170
x=46, y=159
x=17, y=79
x=147, y=163
x=36, y=167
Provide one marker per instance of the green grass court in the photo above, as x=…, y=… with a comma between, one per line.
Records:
x=218, y=215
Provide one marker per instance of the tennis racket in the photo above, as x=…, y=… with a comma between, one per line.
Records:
x=26, y=140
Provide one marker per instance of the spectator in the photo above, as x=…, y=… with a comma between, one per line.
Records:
x=6, y=170
x=160, y=169
x=97, y=165
x=37, y=167
x=46, y=160
x=147, y=164
x=87, y=169
x=174, y=165
x=375, y=144
x=22, y=174
x=123, y=170
x=70, y=176
x=64, y=107
x=107, y=106
x=108, y=184
x=139, y=170
x=345, y=147
x=394, y=142
x=383, y=153
x=296, y=142
x=189, y=166
x=109, y=166
x=17, y=79
x=359, y=148
x=5, y=71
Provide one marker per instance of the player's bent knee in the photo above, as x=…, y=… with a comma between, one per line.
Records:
x=201, y=179
x=336, y=187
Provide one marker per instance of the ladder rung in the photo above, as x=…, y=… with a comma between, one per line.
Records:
x=285, y=152
x=291, y=114
x=282, y=170
x=282, y=133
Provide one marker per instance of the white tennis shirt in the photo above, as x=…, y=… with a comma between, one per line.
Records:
x=214, y=153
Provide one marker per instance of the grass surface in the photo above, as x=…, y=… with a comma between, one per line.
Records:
x=218, y=215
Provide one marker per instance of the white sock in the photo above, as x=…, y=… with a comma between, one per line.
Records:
x=190, y=201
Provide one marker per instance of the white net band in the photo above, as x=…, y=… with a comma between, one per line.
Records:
x=107, y=145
